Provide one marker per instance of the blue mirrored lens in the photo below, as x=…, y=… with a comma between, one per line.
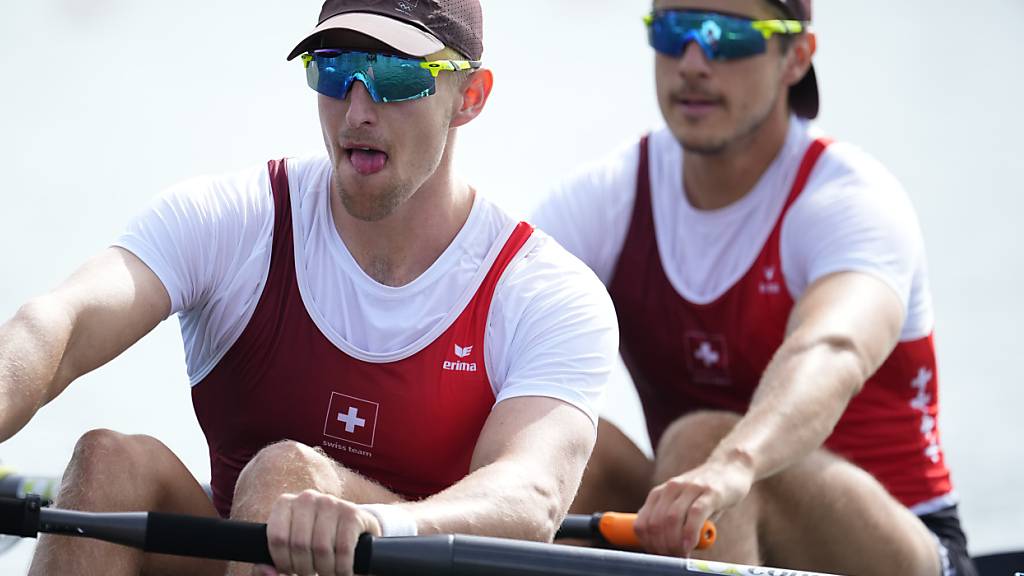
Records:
x=721, y=37
x=387, y=78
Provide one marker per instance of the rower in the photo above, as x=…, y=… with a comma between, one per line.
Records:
x=772, y=293
x=373, y=346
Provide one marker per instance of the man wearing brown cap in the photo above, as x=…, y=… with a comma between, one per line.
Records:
x=372, y=345
x=774, y=310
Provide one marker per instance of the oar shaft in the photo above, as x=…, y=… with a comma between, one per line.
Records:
x=425, y=556
x=127, y=528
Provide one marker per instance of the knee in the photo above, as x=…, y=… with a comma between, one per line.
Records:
x=102, y=463
x=286, y=467
x=98, y=452
x=690, y=440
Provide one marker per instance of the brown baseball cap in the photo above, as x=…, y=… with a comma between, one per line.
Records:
x=413, y=27
x=803, y=96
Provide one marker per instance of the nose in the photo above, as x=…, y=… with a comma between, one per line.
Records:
x=362, y=110
x=694, y=62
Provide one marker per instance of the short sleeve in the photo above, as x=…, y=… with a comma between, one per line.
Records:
x=853, y=217
x=589, y=212
x=554, y=330
x=197, y=235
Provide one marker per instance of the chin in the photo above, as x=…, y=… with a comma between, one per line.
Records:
x=703, y=142
x=370, y=208
x=370, y=205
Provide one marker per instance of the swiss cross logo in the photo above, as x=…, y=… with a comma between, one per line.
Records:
x=922, y=403
x=351, y=419
x=707, y=357
x=706, y=354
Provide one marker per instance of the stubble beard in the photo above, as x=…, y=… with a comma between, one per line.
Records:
x=370, y=208
x=729, y=142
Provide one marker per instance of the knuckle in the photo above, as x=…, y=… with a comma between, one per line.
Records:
x=300, y=545
x=322, y=549
x=278, y=540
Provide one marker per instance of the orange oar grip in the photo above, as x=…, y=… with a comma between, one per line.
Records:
x=617, y=529
x=708, y=534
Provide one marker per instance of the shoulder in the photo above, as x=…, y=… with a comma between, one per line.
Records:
x=610, y=179
x=851, y=188
x=847, y=172
x=548, y=277
x=854, y=215
x=213, y=197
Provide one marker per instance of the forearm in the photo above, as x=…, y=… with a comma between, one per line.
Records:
x=526, y=471
x=495, y=501
x=32, y=344
x=801, y=396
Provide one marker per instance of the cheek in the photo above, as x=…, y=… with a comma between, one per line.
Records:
x=753, y=81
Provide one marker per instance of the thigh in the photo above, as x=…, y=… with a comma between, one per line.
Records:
x=618, y=475
x=289, y=468
x=182, y=494
x=113, y=472
x=825, y=514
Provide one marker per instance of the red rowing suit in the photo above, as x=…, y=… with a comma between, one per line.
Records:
x=411, y=424
x=686, y=357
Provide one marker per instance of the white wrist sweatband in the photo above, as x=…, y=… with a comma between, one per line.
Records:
x=394, y=520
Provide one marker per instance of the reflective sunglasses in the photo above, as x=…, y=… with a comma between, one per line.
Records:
x=721, y=37
x=387, y=78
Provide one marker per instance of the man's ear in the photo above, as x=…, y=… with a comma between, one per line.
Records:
x=801, y=53
x=475, y=92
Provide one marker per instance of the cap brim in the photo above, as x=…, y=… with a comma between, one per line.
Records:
x=803, y=96
x=403, y=37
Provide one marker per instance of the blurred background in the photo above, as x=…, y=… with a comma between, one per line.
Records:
x=105, y=103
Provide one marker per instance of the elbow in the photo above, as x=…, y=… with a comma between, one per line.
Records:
x=845, y=357
x=551, y=520
x=39, y=331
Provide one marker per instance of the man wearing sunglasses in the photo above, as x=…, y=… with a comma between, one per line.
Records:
x=372, y=345
x=774, y=314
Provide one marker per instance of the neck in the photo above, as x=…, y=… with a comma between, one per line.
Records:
x=713, y=181
x=397, y=249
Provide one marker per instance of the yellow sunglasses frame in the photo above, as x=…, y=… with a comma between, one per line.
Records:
x=434, y=66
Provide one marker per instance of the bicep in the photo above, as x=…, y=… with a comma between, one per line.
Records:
x=853, y=312
x=111, y=302
x=540, y=434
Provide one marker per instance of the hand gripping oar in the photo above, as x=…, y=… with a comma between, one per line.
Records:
x=616, y=529
x=444, y=555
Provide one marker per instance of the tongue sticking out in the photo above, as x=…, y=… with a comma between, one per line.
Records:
x=368, y=162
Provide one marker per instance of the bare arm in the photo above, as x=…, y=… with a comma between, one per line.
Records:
x=839, y=333
x=102, y=309
x=524, y=474
x=526, y=470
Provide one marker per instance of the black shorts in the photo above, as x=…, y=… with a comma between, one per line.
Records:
x=945, y=524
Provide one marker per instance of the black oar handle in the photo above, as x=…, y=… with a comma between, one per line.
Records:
x=20, y=516
x=207, y=538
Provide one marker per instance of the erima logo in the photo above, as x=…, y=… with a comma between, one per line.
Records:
x=459, y=365
x=770, y=285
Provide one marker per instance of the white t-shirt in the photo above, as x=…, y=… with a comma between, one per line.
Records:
x=853, y=215
x=551, y=330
